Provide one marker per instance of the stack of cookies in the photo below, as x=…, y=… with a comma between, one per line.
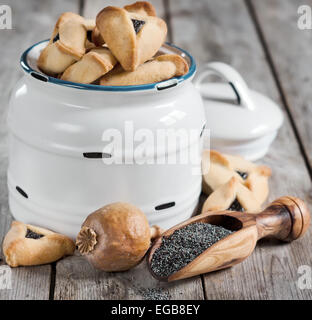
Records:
x=119, y=48
x=233, y=183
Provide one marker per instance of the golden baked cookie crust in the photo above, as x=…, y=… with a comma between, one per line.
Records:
x=219, y=168
x=66, y=45
x=22, y=251
x=142, y=8
x=92, y=66
x=161, y=68
x=131, y=48
x=224, y=196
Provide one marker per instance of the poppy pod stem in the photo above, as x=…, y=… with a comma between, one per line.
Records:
x=155, y=232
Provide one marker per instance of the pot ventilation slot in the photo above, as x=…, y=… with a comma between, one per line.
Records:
x=96, y=155
x=165, y=206
x=202, y=131
x=236, y=93
x=22, y=192
x=167, y=84
x=39, y=76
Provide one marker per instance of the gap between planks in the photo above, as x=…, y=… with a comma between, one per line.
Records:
x=81, y=6
x=268, y=55
x=52, y=280
x=167, y=18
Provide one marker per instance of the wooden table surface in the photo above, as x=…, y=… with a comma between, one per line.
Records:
x=259, y=38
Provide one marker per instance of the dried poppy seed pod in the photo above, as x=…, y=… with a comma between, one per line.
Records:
x=115, y=237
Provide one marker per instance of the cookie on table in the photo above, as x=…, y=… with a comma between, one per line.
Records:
x=66, y=45
x=232, y=196
x=258, y=182
x=133, y=38
x=93, y=65
x=216, y=170
x=161, y=68
x=219, y=168
x=255, y=177
x=28, y=245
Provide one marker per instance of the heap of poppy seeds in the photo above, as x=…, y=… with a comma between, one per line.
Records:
x=154, y=294
x=184, y=245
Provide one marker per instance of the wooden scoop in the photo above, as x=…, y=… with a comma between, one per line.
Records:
x=286, y=218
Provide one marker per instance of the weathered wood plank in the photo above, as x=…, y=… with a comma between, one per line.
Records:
x=223, y=31
x=76, y=279
x=290, y=51
x=32, y=21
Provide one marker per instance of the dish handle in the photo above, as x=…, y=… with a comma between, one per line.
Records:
x=231, y=76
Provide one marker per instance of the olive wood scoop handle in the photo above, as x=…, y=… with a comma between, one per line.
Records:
x=286, y=218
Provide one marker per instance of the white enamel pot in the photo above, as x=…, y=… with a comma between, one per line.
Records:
x=62, y=165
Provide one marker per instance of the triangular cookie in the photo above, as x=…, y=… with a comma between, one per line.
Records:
x=92, y=66
x=232, y=196
x=27, y=245
x=142, y=8
x=218, y=168
x=132, y=38
x=66, y=45
x=161, y=68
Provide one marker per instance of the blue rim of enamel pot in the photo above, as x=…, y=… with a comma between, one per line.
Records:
x=151, y=86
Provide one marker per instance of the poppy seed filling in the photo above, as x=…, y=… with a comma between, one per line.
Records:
x=56, y=38
x=236, y=206
x=244, y=175
x=33, y=235
x=137, y=25
x=89, y=35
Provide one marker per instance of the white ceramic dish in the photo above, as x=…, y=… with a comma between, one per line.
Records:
x=57, y=175
x=241, y=121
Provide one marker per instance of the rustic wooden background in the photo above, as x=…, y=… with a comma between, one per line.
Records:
x=261, y=40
